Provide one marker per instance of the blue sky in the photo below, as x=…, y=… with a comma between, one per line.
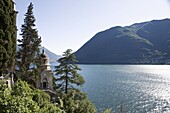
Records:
x=68, y=24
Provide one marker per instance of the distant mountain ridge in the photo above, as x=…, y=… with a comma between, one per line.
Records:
x=140, y=43
x=52, y=56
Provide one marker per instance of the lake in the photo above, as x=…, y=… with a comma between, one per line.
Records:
x=132, y=88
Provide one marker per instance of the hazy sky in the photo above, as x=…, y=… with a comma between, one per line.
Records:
x=68, y=24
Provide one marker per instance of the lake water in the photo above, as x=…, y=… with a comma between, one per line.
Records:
x=134, y=88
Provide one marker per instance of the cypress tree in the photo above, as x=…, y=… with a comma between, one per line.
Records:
x=67, y=74
x=7, y=36
x=29, y=47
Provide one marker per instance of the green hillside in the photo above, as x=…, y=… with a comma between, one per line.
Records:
x=140, y=43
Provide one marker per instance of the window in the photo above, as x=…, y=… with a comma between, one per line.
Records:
x=45, y=83
x=7, y=83
x=44, y=61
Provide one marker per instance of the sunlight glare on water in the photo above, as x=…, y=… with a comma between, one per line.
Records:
x=137, y=88
x=154, y=69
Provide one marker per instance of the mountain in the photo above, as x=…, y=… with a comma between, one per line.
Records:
x=140, y=43
x=52, y=56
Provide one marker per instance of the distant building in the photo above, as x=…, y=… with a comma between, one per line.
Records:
x=14, y=5
x=45, y=81
x=9, y=79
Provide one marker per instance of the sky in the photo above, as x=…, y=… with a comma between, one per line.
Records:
x=69, y=24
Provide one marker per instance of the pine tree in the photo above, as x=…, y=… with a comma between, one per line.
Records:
x=67, y=74
x=7, y=36
x=29, y=47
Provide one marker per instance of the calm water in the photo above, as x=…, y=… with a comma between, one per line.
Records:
x=135, y=88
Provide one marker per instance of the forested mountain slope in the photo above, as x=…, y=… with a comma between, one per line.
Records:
x=140, y=43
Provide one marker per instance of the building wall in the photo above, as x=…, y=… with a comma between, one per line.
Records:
x=45, y=75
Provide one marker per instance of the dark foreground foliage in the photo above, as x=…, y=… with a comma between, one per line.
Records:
x=23, y=99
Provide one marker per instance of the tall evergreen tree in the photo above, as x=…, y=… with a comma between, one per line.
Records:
x=66, y=72
x=7, y=36
x=29, y=47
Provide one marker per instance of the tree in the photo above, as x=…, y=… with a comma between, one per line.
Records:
x=23, y=99
x=108, y=111
x=74, y=100
x=7, y=36
x=29, y=47
x=77, y=102
x=67, y=74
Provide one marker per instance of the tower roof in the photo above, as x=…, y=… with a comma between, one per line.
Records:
x=45, y=60
x=44, y=55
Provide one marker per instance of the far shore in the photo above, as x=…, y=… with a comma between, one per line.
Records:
x=122, y=64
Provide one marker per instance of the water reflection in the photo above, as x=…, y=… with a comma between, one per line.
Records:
x=138, y=88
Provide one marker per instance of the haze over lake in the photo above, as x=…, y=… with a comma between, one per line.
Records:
x=135, y=88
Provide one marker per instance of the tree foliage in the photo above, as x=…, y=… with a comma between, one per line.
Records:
x=7, y=36
x=23, y=99
x=77, y=102
x=66, y=72
x=108, y=111
x=67, y=78
x=29, y=46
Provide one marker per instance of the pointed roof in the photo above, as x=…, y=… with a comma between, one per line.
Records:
x=44, y=55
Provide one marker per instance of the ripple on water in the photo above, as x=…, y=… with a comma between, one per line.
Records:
x=135, y=88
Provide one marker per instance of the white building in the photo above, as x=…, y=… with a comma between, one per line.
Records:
x=9, y=80
x=45, y=80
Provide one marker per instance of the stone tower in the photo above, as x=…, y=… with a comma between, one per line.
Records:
x=45, y=81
